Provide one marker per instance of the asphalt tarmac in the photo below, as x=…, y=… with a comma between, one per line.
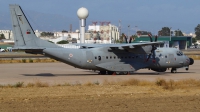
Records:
x=60, y=73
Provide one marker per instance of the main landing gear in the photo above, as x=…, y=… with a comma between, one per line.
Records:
x=173, y=70
x=113, y=73
x=102, y=72
x=121, y=73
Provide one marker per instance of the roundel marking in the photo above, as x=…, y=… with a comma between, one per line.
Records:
x=70, y=55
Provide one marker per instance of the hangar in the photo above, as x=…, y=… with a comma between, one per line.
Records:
x=181, y=42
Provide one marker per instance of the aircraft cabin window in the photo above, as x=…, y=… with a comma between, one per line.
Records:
x=99, y=57
x=110, y=57
x=95, y=57
x=133, y=57
x=166, y=56
x=114, y=57
x=106, y=57
x=129, y=56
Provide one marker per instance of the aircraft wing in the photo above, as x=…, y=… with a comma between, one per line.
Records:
x=120, y=46
x=122, y=66
x=134, y=45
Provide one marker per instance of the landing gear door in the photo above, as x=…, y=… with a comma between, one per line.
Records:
x=90, y=59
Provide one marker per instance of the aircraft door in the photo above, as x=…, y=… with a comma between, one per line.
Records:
x=171, y=59
x=166, y=59
x=90, y=59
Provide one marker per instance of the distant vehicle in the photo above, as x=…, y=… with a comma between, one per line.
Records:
x=195, y=46
x=192, y=46
x=2, y=50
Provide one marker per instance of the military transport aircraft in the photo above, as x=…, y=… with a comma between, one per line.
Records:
x=108, y=59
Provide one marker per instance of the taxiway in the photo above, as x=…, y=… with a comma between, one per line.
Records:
x=59, y=73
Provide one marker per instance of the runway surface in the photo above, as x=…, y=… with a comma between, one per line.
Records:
x=59, y=73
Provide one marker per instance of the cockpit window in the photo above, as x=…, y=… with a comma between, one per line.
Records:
x=179, y=53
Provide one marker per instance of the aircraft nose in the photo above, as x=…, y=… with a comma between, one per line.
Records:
x=191, y=61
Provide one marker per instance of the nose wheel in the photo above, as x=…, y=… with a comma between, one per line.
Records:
x=173, y=70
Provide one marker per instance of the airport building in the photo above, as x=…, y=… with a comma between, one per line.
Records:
x=7, y=33
x=95, y=34
x=107, y=33
x=181, y=42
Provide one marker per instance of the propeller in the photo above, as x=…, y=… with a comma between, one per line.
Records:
x=130, y=39
x=125, y=38
x=153, y=48
x=150, y=37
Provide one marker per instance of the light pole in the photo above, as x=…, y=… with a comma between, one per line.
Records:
x=170, y=33
x=128, y=32
x=136, y=30
x=119, y=27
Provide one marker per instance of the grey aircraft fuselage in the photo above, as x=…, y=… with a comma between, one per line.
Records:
x=89, y=58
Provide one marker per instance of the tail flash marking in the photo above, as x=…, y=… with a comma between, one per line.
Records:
x=28, y=32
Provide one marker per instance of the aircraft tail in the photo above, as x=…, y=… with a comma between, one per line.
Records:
x=23, y=33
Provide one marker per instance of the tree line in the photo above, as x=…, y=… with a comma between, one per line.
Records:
x=47, y=34
x=166, y=31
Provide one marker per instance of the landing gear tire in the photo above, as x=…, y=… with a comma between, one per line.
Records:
x=102, y=72
x=121, y=73
x=173, y=70
x=117, y=73
x=110, y=72
x=125, y=73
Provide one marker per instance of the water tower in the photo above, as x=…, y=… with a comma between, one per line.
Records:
x=82, y=15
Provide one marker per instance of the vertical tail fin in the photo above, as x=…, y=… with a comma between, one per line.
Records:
x=24, y=35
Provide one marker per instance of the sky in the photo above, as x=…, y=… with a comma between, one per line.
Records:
x=147, y=15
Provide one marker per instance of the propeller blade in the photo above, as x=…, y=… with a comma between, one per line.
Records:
x=125, y=38
x=150, y=37
x=148, y=57
x=154, y=56
x=156, y=38
x=130, y=39
x=153, y=48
